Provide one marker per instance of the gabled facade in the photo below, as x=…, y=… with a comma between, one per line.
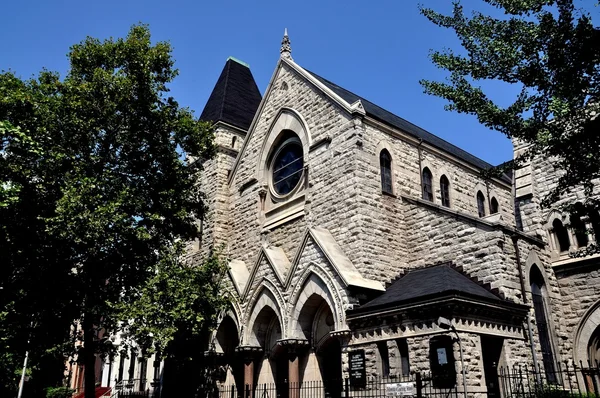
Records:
x=348, y=229
x=325, y=203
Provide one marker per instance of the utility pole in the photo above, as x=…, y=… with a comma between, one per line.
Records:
x=23, y=374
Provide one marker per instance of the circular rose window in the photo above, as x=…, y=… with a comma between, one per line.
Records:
x=287, y=167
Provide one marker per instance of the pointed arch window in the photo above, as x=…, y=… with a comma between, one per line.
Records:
x=579, y=229
x=480, y=204
x=539, y=297
x=494, y=206
x=427, y=185
x=445, y=191
x=561, y=234
x=385, y=163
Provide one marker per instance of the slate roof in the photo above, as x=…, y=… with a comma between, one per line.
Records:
x=424, y=283
x=235, y=98
x=389, y=118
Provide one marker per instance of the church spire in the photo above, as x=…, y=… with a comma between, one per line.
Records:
x=286, y=48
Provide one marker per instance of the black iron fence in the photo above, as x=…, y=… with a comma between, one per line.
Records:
x=414, y=385
x=136, y=388
x=557, y=381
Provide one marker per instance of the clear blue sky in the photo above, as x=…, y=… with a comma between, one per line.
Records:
x=377, y=49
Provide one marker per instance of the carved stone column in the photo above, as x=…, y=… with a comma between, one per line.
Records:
x=343, y=337
x=293, y=348
x=248, y=355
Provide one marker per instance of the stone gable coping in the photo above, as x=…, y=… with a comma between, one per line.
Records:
x=276, y=259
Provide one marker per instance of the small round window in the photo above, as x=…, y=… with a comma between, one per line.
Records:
x=287, y=167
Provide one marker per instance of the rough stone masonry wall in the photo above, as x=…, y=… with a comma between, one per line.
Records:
x=419, y=360
x=213, y=182
x=464, y=181
x=387, y=227
x=580, y=290
x=482, y=251
x=573, y=289
x=330, y=197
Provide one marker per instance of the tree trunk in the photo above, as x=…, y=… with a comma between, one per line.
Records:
x=89, y=359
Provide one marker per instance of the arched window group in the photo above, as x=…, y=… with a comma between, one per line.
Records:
x=427, y=187
x=494, y=207
x=575, y=232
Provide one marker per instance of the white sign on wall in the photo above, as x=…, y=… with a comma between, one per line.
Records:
x=400, y=389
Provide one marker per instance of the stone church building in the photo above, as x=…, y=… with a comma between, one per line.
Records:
x=350, y=231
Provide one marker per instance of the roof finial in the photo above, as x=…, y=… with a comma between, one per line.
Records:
x=286, y=48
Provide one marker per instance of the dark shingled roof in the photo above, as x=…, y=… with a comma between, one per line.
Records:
x=235, y=98
x=389, y=118
x=425, y=283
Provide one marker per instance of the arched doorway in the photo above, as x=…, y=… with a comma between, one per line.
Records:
x=330, y=358
x=225, y=343
x=592, y=379
x=587, y=348
x=324, y=361
x=272, y=369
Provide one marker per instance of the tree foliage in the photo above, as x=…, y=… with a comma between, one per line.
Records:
x=170, y=302
x=94, y=195
x=551, y=51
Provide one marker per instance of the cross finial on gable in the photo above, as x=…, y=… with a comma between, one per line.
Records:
x=286, y=48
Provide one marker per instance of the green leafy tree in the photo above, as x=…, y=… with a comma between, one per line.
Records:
x=94, y=195
x=550, y=50
x=173, y=315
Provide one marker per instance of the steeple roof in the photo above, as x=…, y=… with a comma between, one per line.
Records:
x=235, y=98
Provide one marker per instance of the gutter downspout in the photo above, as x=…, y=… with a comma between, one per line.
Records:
x=515, y=240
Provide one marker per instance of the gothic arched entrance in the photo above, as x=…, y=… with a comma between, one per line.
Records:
x=225, y=342
x=324, y=361
x=272, y=368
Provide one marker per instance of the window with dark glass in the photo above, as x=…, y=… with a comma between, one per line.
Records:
x=493, y=206
x=384, y=356
x=121, y=366
x=561, y=234
x=131, y=373
x=480, y=204
x=538, y=291
x=579, y=229
x=287, y=166
x=441, y=362
x=385, y=162
x=404, y=361
x=427, y=185
x=143, y=371
x=445, y=191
